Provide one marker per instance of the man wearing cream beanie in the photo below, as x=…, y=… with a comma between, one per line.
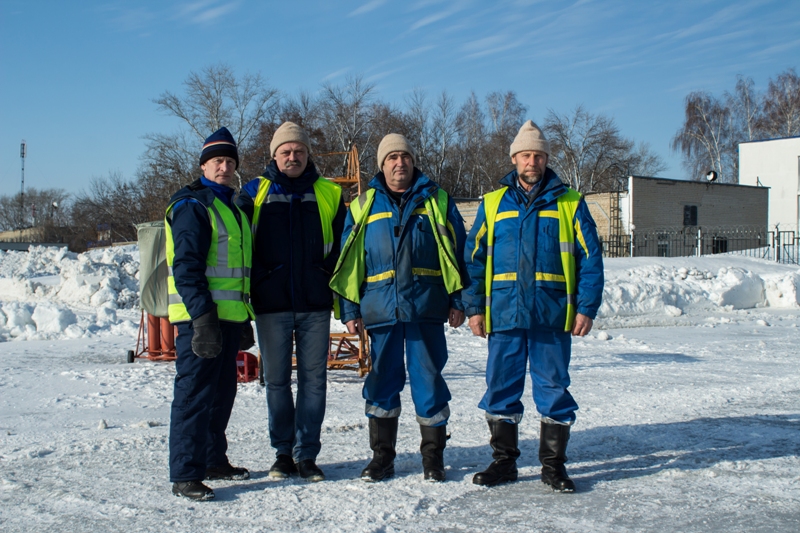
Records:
x=535, y=278
x=400, y=277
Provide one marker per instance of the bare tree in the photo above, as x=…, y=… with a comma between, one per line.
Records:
x=746, y=106
x=781, y=116
x=213, y=98
x=707, y=139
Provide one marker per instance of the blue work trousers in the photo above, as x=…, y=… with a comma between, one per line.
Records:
x=294, y=430
x=509, y=354
x=426, y=354
x=204, y=392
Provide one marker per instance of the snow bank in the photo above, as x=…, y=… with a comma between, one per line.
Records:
x=50, y=293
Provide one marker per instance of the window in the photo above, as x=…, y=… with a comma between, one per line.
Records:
x=690, y=215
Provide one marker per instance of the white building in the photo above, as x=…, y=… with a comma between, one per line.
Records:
x=775, y=164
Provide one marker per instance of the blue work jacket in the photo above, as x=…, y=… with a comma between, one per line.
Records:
x=528, y=245
x=400, y=238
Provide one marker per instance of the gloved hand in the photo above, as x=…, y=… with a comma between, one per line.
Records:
x=248, y=339
x=207, y=338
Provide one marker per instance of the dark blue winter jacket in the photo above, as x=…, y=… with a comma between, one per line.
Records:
x=191, y=234
x=290, y=271
x=527, y=245
x=399, y=238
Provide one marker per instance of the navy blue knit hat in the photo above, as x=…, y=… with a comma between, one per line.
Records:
x=220, y=144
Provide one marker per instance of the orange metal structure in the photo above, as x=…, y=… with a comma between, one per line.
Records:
x=156, y=342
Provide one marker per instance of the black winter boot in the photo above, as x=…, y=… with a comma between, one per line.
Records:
x=382, y=441
x=504, y=442
x=434, y=441
x=553, y=455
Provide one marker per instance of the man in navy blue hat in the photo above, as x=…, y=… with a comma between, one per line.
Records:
x=209, y=258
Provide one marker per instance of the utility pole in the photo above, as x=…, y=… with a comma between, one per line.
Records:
x=23, y=148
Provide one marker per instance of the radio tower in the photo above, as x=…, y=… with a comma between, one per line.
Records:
x=22, y=151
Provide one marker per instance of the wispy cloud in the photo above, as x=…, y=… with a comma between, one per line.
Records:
x=372, y=5
x=205, y=11
x=336, y=74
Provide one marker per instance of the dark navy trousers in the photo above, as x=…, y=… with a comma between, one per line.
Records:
x=201, y=407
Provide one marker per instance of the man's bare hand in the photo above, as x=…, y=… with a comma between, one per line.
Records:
x=355, y=326
x=456, y=318
x=477, y=323
x=583, y=325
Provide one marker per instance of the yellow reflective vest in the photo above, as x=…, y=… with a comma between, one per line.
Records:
x=227, y=266
x=567, y=206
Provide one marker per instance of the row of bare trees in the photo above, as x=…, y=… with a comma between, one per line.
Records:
x=715, y=125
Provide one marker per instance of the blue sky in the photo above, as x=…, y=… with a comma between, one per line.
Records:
x=78, y=78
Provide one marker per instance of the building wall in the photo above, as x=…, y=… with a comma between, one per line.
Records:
x=775, y=164
x=659, y=203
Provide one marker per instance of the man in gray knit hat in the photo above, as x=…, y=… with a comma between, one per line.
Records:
x=535, y=278
x=297, y=219
x=399, y=276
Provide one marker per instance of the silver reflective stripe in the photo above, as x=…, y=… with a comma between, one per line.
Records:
x=568, y=247
x=377, y=412
x=175, y=299
x=489, y=301
x=169, y=271
x=326, y=249
x=515, y=418
x=309, y=197
x=219, y=296
x=571, y=299
x=443, y=231
x=441, y=416
x=490, y=250
x=222, y=239
x=548, y=420
x=224, y=272
x=278, y=198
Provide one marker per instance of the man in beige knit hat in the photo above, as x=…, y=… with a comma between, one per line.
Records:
x=399, y=276
x=535, y=278
x=297, y=221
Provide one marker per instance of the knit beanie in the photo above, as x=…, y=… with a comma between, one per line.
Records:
x=289, y=132
x=394, y=142
x=529, y=137
x=219, y=144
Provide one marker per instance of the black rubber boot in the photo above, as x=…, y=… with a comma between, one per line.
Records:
x=193, y=490
x=382, y=440
x=553, y=455
x=434, y=441
x=505, y=443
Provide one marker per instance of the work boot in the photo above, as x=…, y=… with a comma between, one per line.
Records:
x=309, y=471
x=434, y=440
x=382, y=441
x=194, y=490
x=504, y=442
x=553, y=440
x=226, y=471
x=283, y=467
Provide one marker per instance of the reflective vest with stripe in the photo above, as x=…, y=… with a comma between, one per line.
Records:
x=567, y=207
x=327, y=195
x=227, y=266
x=349, y=273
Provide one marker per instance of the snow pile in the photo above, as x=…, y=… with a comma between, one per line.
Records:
x=649, y=287
x=51, y=293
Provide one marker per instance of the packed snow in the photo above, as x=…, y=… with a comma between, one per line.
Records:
x=689, y=418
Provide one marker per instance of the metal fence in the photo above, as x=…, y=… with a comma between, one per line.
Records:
x=779, y=246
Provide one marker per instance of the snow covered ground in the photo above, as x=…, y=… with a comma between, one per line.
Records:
x=689, y=419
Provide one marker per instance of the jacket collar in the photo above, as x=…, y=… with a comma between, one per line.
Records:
x=422, y=185
x=299, y=184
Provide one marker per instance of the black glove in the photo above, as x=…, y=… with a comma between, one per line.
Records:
x=247, y=340
x=207, y=338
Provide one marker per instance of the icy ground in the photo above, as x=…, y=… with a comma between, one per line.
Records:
x=689, y=419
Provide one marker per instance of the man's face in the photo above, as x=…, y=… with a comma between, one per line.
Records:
x=398, y=168
x=531, y=165
x=219, y=170
x=292, y=159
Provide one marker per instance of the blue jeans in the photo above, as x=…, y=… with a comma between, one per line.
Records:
x=295, y=431
x=509, y=354
x=426, y=353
